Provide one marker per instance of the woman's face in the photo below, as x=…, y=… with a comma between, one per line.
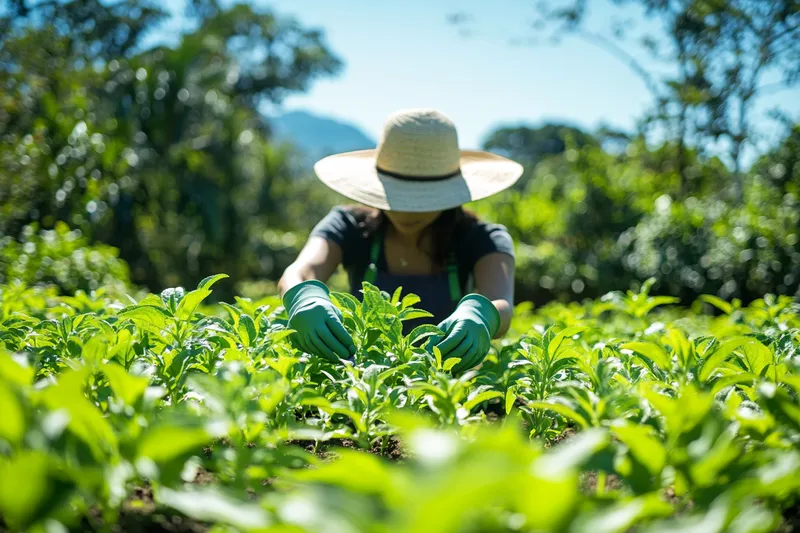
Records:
x=410, y=224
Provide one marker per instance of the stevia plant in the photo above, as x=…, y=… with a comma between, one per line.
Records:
x=614, y=415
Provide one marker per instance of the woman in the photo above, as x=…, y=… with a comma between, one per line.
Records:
x=415, y=234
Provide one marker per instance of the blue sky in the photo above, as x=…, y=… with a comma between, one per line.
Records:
x=402, y=54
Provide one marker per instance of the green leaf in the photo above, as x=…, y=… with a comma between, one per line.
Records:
x=643, y=445
x=482, y=397
x=206, y=283
x=793, y=382
x=654, y=302
x=721, y=354
x=27, y=491
x=126, y=387
x=247, y=330
x=212, y=505
x=572, y=454
x=12, y=421
x=149, y=314
x=345, y=301
x=555, y=345
x=410, y=314
x=757, y=356
x=562, y=409
x=15, y=370
x=269, y=398
x=167, y=442
x=95, y=349
x=652, y=351
x=450, y=363
x=409, y=300
x=706, y=470
x=396, y=296
x=356, y=418
x=430, y=389
x=680, y=346
x=354, y=471
x=717, y=302
x=85, y=420
x=277, y=335
x=623, y=515
x=372, y=336
x=171, y=297
x=190, y=302
x=421, y=332
x=511, y=397
x=734, y=379
x=233, y=312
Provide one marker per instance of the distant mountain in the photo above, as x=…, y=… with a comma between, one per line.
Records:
x=319, y=136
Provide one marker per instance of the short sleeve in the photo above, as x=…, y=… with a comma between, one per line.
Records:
x=341, y=227
x=483, y=239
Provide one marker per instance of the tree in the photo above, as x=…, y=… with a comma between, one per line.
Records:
x=720, y=53
x=161, y=152
x=530, y=145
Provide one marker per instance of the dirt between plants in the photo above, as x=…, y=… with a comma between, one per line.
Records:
x=140, y=514
x=327, y=450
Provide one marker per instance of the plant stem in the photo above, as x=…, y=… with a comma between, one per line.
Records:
x=601, y=483
x=384, y=444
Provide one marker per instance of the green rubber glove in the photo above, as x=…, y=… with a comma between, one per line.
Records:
x=317, y=322
x=469, y=331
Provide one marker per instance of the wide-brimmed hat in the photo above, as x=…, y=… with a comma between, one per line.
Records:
x=417, y=166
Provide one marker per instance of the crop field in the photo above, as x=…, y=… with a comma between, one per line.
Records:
x=627, y=413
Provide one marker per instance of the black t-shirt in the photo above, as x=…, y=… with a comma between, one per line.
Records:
x=473, y=241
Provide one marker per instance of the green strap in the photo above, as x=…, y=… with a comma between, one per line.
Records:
x=371, y=274
x=452, y=278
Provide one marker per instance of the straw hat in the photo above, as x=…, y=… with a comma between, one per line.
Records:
x=417, y=166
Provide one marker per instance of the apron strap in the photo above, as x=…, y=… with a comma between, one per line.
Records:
x=371, y=273
x=452, y=278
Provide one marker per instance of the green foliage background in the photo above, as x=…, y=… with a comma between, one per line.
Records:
x=164, y=154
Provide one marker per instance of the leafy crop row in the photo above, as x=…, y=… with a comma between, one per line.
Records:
x=602, y=417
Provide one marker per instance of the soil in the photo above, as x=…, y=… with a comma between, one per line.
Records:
x=561, y=437
x=791, y=520
x=327, y=450
x=139, y=514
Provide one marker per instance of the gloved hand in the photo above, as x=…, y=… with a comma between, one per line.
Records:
x=317, y=322
x=469, y=331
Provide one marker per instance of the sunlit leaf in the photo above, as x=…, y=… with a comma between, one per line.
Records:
x=167, y=442
x=720, y=354
x=28, y=491
x=652, y=351
x=474, y=400
x=562, y=409
x=212, y=505
x=126, y=387
x=12, y=421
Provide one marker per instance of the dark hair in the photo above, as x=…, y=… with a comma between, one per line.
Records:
x=442, y=230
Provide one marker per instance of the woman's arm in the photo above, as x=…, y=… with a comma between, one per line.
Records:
x=317, y=260
x=494, y=279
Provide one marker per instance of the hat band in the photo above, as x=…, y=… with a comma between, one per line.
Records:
x=406, y=177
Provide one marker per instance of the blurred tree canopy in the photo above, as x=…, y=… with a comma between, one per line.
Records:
x=587, y=220
x=726, y=54
x=529, y=145
x=705, y=69
x=160, y=152
x=117, y=153
x=676, y=202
